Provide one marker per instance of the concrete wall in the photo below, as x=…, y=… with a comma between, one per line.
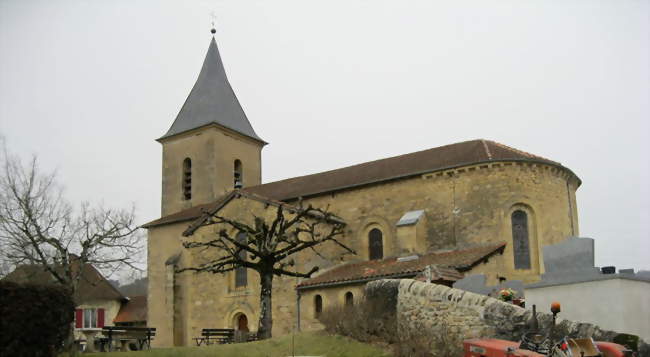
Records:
x=616, y=304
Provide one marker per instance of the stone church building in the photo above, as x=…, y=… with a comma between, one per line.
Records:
x=472, y=207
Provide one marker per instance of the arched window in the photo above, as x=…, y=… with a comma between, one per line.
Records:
x=349, y=299
x=318, y=306
x=241, y=276
x=375, y=244
x=238, y=175
x=520, y=241
x=187, y=179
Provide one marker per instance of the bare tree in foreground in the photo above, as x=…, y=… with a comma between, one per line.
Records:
x=39, y=227
x=266, y=248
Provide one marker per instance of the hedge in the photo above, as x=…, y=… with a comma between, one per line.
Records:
x=34, y=319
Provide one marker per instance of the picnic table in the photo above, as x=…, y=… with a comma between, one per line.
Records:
x=142, y=335
x=220, y=335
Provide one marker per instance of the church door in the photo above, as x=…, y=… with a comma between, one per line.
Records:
x=242, y=323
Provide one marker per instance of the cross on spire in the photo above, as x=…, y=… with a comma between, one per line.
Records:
x=214, y=17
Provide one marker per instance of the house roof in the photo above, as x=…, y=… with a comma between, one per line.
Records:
x=134, y=310
x=458, y=260
x=212, y=101
x=397, y=167
x=92, y=285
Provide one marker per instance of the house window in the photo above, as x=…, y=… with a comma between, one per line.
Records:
x=349, y=299
x=318, y=306
x=241, y=277
x=187, y=179
x=520, y=241
x=375, y=244
x=89, y=318
x=238, y=175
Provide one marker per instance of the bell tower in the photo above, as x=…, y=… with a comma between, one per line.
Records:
x=211, y=148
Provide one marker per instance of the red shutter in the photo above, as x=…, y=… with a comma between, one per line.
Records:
x=79, y=317
x=100, y=318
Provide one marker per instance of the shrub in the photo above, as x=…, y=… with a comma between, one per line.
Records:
x=35, y=319
x=363, y=322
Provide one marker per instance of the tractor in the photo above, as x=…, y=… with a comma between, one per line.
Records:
x=535, y=344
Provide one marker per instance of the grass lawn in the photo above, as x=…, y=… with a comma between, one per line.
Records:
x=306, y=344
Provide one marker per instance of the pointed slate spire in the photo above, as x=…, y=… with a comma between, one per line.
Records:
x=212, y=100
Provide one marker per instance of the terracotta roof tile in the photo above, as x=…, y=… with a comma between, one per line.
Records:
x=135, y=310
x=459, y=259
x=416, y=163
x=206, y=210
x=182, y=216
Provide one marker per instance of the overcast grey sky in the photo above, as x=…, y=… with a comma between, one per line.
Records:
x=89, y=85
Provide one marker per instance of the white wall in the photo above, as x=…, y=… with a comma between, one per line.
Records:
x=111, y=308
x=621, y=305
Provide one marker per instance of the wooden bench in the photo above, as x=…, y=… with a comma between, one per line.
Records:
x=220, y=335
x=252, y=337
x=143, y=335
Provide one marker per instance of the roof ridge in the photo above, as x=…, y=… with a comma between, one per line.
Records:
x=469, y=248
x=459, y=261
x=487, y=150
x=369, y=162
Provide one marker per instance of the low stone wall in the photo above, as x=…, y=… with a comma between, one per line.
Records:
x=419, y=306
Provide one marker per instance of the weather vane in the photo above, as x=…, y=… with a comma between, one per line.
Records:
x=214, y=17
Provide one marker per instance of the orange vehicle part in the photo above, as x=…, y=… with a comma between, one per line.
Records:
x=492, y=347
x=610, y=349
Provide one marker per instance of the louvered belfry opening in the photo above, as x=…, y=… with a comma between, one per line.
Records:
x=187, y=179
x=238, y=175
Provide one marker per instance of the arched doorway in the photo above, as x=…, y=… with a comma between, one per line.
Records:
x=241, y=323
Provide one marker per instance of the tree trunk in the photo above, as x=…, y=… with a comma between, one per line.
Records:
x=69, y=345
x=266, y=316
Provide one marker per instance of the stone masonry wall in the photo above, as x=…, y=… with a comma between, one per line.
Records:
x=420, y=306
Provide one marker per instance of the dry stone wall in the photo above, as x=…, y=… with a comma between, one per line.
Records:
x=418, y=306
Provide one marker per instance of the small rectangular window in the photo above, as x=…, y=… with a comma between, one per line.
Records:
x=90, y=318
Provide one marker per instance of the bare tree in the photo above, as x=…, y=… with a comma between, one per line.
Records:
x=39, y=227
x=268, y=247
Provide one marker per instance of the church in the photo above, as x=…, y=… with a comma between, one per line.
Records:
x=474, y=207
